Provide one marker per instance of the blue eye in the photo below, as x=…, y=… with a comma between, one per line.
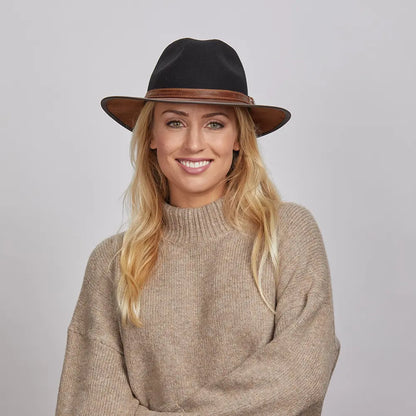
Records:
x=174, y=123
x=215, y=125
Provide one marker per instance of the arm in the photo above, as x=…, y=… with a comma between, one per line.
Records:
x=94, y=379
x=288, y=376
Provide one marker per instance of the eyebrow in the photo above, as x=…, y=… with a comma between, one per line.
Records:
x=182, y=113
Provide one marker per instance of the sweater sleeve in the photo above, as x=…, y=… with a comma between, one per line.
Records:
x=289, y=375
x=94, y=380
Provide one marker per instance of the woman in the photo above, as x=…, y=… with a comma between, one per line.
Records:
x=217, y=298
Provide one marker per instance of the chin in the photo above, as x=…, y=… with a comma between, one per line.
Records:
x=197, y=191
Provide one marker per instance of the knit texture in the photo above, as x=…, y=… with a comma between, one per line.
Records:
x=209, y=345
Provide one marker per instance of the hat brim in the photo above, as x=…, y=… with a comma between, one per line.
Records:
x=126, y=110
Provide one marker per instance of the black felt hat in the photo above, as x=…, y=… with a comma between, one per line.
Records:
x=197, y=71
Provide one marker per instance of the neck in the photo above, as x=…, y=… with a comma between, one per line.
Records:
x=194, y=224
x=188, y=200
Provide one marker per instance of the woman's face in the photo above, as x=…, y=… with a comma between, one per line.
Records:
x=194, y=145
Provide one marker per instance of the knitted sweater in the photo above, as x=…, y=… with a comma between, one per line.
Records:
x=209, y=345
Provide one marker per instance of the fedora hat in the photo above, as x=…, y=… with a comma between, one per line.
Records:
x=202, y=72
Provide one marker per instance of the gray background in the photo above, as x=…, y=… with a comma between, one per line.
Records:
x=346, y=72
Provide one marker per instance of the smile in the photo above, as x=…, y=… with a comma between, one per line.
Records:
x=194, y=166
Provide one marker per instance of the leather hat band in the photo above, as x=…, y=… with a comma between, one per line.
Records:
x=199, y=94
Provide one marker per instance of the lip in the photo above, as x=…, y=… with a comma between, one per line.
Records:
x=193, y=159
x=194, y=171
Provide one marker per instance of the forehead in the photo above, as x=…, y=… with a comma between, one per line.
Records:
x=194, y=109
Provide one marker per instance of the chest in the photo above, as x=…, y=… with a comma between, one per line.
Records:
x=204, y=292
x=203, y=315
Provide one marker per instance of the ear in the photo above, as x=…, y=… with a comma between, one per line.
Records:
x=236, y=146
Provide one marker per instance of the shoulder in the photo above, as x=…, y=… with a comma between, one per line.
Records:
x=108, y=246
x=294, y=216
x=96, y=301
x=298, y=227
x=303, y=258
x=101, y=260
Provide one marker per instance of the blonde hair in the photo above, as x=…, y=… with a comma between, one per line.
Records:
x=251, y=204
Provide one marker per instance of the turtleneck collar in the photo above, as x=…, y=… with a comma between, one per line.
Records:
x=189, y=225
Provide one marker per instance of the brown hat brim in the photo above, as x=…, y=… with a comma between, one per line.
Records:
x=126, y=110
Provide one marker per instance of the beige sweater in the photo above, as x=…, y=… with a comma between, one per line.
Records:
x=209, y=345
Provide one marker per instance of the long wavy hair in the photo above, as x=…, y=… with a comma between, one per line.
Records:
x=251, y=204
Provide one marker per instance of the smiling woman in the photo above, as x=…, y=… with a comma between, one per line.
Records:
x=217, y=299
x=195, y=145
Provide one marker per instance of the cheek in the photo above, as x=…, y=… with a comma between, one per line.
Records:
x=164, y=144
x=226, y=148
x=165, y=159
x=162, y=153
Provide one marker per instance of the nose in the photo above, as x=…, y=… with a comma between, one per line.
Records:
x=194, y=139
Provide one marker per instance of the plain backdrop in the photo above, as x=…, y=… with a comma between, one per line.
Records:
x=345, y=70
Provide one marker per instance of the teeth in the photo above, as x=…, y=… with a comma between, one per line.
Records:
x=194, y=164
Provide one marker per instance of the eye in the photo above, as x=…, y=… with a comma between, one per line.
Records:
x=174, y=123
x=215, y=125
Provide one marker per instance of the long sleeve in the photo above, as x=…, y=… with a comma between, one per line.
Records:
x=289, y=375
x=94, y=379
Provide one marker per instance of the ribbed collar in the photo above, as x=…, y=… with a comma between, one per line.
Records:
x=188, y=225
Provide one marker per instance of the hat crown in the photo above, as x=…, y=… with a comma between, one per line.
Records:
x=201, y=64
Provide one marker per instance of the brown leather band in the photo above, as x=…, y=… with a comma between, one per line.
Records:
x=200, y=94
